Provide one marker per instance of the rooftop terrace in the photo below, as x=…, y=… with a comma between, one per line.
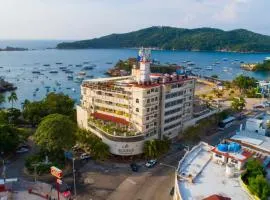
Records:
x=208, y=177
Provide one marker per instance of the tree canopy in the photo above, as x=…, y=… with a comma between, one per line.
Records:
x=244, y=83
x=33, y=112
x=155, y=148
x=238, y=104
x=12, y=98
x=255, y=179
x=92, y=144
x=55, y=132
x=208, y=39
x=9, y=138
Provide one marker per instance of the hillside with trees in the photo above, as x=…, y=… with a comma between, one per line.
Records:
x=200, y=39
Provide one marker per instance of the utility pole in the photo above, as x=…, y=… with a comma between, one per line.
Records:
x=175, y=175
x=35, y=171
x=74, y=177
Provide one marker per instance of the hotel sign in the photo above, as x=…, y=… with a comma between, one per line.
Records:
x=56, y=172
x=126, y=150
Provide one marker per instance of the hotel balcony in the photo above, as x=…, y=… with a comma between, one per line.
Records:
x=113, y=128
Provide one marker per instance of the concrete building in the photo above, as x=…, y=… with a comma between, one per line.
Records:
x=126, y=111
x=200, y=176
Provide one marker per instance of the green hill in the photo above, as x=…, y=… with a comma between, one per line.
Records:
x=201, y=39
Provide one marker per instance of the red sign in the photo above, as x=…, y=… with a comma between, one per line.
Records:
x=56, y=172
x=59, y=181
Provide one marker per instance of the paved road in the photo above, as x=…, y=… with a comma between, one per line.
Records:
x=154, y=184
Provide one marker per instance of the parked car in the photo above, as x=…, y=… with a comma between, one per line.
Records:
x=22, y=150
x=151, y=163
x=85, y=156
x=134, y=167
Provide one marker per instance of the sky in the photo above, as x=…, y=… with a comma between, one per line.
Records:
x=86, y=19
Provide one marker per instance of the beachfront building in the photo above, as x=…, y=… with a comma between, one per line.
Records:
x=202, y=175
x=126, y=111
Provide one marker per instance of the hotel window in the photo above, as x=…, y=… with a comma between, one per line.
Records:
x=147, y=118
x=156, y=90
x=147, y=126
x=148, y=91
x=137, y=110
x=152, y=90
x=156, y=99
x=137, y=100
x=148, y=109
x=148, y=100
x=152, y=100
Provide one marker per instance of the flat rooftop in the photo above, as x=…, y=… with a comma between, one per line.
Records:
x=210, y=177
x=258, y=141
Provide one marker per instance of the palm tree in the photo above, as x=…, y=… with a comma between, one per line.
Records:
x=12, y=98
x=2, y=99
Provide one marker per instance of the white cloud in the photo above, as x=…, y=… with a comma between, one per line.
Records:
x=81, y=19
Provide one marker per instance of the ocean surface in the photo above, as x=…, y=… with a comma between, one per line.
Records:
x=17, y=67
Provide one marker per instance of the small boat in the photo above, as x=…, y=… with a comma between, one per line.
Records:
x=225, y=69
x=62, y=68
x=82, y=73
x=225, y=59
x=70, y=77
x=217, y=62
x=78, y=79
x=58, y=63
x=86, y=62
x=87, y=68
x=53, y=72
x=35, y=72
x=37, y=89
x=78, y=65
x=241, y=62
x=46, y=65
x=69, y=72
x=109, y=63
x=89, y=76
x=68, y=88
x=190, y=63
x=73, y=89
x=70, y=65
x=209, y=68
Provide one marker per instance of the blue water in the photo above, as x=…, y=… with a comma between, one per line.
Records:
x=18, y=67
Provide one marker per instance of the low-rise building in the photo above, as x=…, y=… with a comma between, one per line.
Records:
x=126, y=111
x=200, y=176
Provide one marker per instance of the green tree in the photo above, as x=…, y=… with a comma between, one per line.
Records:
x=59, y=103
x=12, y=98
x=2, y=99
x=238, y=104
x=56, y=132
x=255, y=179
x=244, y=83
x=34, y=112
x=9, y=138
x=155, y=148
x=92, y=144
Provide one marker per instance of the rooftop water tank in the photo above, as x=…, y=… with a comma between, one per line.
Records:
x=222, y=147
x=234, y=147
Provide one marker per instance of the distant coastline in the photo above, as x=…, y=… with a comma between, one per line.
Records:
x=8, y=48
x=171, y=38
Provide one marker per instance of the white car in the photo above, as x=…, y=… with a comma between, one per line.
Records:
x=22, y=150
x=151, y=163
x=85, y=156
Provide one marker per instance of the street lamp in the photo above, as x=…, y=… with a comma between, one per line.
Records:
x=74, y=176
x=4, y=167
x=175, y=175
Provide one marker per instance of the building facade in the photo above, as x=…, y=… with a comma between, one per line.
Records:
x=126, y=111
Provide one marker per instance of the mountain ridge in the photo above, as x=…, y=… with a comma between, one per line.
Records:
x=165, y=37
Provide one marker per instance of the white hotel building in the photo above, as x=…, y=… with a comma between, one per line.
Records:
x=126, y=111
